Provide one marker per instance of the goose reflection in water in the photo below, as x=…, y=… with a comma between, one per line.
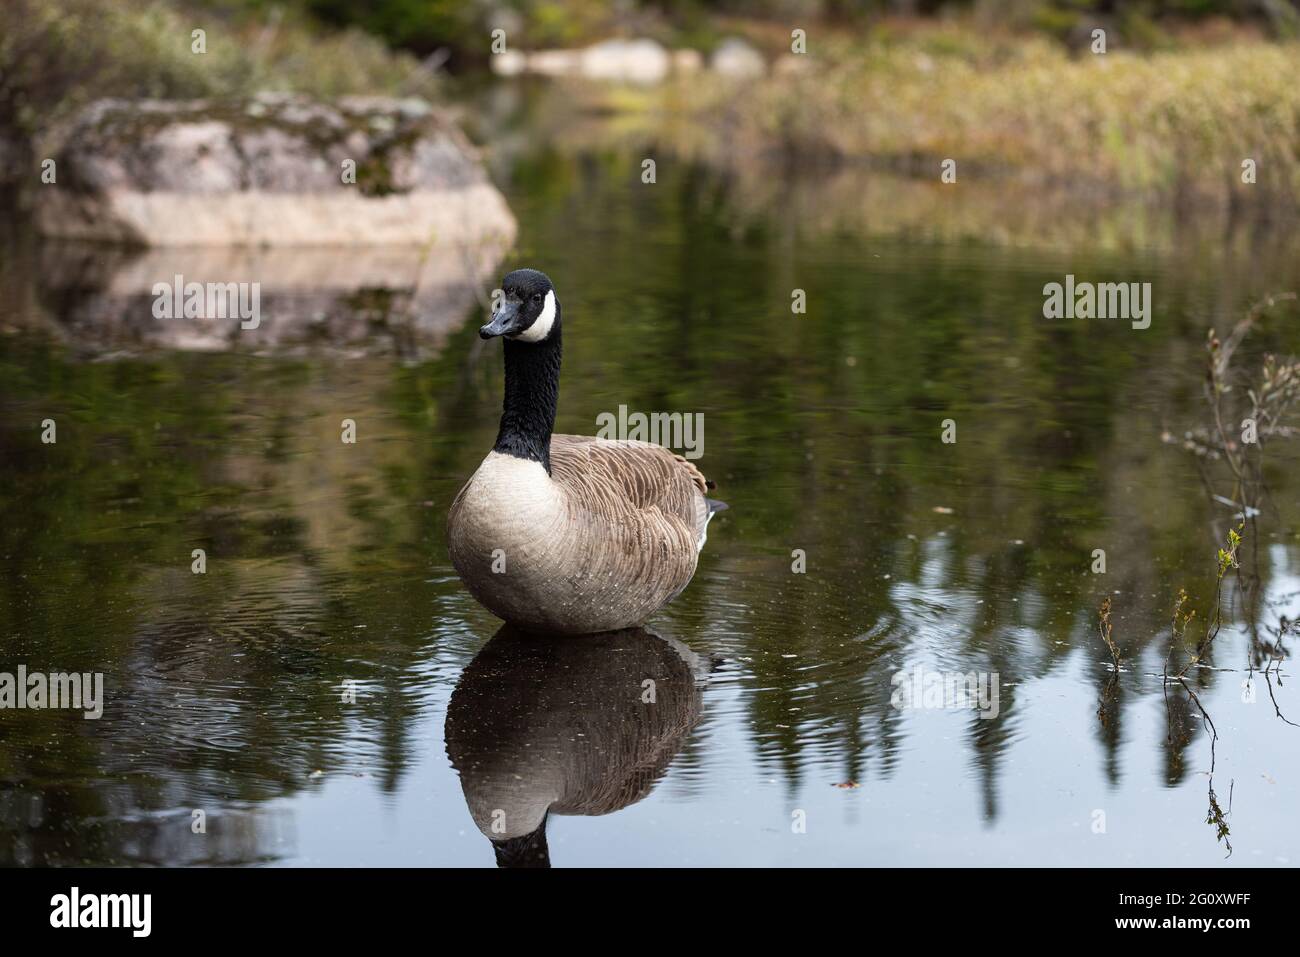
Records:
x=583, y=726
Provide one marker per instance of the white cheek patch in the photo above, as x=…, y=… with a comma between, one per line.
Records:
x=541, y=327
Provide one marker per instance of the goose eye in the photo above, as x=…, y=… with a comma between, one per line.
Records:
x=537, y=297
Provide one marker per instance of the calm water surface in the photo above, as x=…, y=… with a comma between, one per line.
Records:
x=326, y=562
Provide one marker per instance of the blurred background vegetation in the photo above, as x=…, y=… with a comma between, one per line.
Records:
x=461, y=25
x=1003, y=84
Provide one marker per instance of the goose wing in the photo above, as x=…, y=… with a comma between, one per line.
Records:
x=611, y=478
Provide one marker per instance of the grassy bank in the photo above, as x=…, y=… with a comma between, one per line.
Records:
x=57, y=55
x=1177, y=123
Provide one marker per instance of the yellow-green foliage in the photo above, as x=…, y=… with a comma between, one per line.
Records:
x=57, y=54
x=1167, y=120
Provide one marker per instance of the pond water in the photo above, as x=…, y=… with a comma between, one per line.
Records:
x=859, y=546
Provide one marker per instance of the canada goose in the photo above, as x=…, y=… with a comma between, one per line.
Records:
x=540, y=725
x=569, y=533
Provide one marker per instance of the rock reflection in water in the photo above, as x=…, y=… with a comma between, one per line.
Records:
x=382, y=300
x=579, y=726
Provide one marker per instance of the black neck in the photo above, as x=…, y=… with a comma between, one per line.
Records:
x=532, y=393
x=530, y=850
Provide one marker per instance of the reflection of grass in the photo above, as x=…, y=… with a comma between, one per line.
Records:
x=1270, y=402
x=1227, y=558
x=1106, y=629
x=1216, y=817
x=1169, y=122
x=1112, y=682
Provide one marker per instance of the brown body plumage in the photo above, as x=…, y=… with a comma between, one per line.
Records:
x=566, y=533
x=607, y=539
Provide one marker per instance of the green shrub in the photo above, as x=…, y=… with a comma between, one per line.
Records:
x=56, y=55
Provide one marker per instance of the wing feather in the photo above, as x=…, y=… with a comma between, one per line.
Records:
x=611, y=476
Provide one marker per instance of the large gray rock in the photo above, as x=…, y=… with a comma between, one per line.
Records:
x=270, y=171
x=627, y=61
x=641, y=61
x=737, y=59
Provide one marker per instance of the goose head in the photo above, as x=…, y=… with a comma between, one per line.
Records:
x=527, y=309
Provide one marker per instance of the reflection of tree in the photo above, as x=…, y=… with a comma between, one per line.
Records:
x=1056, y=456
x=222, y=711
x=1058, y=452
x=223, y=688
